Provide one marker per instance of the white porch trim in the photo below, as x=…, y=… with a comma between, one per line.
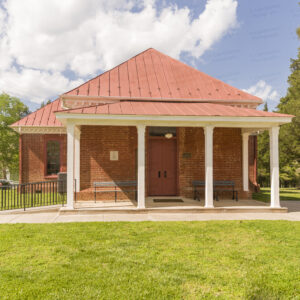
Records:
x=209, y=200
x=274, y=167
x=70, y=165
x=245, y=136
x=141, y=166
x=172, y=121
x=39, y=129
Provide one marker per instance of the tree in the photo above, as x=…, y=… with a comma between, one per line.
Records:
x=43, y=103
x=290, y=133
x=11, y=110
x=263, y=165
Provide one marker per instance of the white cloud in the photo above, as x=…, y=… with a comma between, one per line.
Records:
x=264, y=91
x=45, y=38
x=35, y=85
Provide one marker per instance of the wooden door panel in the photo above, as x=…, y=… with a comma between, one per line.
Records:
x=169, y=167
x=155, y=162
x=163, y=161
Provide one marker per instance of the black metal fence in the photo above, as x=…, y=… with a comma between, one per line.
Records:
x=33, y=194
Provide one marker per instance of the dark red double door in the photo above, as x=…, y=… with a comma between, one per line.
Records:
x=162, y=167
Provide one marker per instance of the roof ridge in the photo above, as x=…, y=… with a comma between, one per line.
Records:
x=87, y=106
x=194, y=69
x=117, y=66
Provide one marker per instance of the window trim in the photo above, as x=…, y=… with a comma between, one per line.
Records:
x=60, y=141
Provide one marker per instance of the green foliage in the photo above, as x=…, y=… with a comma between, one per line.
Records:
x=263, y=164
x=290, y=133
x=43, y=103
x=289, y=139
x=11, y=110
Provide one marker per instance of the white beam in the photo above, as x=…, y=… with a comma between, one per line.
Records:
x=77, y=158
x=70, y=165
x=141, y=166
x=208, y=131
x=274, y=166
x=245, y=161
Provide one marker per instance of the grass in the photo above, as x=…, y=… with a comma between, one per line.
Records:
x=172, y=260
x=285, y=194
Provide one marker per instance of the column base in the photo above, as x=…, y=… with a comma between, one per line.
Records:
x=209, y=206
x=275, y=206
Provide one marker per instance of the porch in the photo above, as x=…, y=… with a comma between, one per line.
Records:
x=208, y=136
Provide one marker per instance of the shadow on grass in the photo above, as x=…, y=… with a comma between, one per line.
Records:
x=259, y=290
x=286, y=194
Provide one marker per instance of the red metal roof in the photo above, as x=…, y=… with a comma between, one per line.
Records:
x=152, y=74
x=156, y=75
x=42, y=117
x=171, y=109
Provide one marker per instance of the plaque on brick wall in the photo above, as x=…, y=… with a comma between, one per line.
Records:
x=114, y=155
x=186, y=155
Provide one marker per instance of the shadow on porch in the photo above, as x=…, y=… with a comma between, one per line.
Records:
x=168, y=203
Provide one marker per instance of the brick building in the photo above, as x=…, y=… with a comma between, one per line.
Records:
x=154, y=120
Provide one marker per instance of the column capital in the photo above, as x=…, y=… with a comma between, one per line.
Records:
x=245, y=134
x=141, y=127
x=208, y=129
x=274, y=130
x=77, y=130
x=70, y=127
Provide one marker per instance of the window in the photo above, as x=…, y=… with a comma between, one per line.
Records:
x=162, y=131
x=53, y=157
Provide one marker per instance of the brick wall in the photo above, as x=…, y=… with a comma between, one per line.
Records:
x=227, y=162
x=32, y=152
x=97, y=142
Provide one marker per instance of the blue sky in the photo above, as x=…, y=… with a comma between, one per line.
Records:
x=259, y=49
x=54, y=47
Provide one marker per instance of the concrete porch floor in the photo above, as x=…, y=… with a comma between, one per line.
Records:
x=187, y=202
x=188, y=205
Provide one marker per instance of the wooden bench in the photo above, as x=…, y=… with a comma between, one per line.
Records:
x=218, y=186
x=115, y=187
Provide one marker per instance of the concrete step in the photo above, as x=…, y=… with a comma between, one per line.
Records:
x=92, y=211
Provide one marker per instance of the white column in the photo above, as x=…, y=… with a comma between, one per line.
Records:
x=274, y=166
x=70, y=165
x=141, y=166
x=77, y=158
x=245, y=161
x=208, y=131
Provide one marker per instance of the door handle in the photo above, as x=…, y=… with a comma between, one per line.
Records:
x=158, y=174
x=165, y=174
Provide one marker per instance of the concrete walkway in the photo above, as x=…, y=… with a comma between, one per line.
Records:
x=53, y=216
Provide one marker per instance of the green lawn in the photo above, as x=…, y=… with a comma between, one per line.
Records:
x=172, y=260
x=285, y=194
